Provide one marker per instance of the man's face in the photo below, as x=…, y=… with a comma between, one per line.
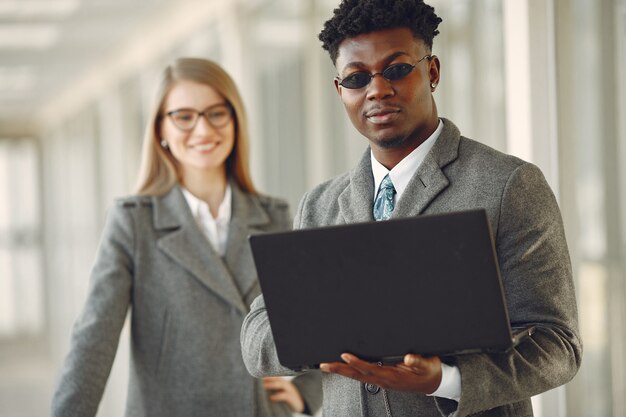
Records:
x=397, y=114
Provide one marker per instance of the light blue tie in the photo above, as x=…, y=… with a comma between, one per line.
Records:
x=383, y=205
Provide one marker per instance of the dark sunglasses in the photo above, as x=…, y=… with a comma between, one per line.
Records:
x=393, y=72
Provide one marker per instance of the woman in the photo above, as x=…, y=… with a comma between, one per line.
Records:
x=177, y=254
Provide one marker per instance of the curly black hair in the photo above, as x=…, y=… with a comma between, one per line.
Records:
x=355, y=17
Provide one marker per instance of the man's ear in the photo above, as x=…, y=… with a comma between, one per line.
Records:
x=337, y=87
x=434, y=70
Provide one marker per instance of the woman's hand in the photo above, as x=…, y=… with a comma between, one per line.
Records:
x=283, y=390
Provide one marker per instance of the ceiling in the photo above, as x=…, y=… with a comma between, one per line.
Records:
x=47, y=44
x=54, y=53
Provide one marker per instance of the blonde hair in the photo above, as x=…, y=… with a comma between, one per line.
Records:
x=159, y=170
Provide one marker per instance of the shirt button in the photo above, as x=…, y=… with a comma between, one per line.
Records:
x=372, y=389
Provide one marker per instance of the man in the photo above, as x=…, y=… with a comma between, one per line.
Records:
x=419, y=164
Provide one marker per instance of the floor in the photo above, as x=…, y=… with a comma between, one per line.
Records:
x=26, y=379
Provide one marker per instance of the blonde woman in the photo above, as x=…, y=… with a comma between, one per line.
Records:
x=176, y=255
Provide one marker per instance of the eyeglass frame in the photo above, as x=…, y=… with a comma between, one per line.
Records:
x=226, y=104
x=382, y=73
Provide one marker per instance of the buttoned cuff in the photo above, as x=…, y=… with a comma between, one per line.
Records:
x=450, y=386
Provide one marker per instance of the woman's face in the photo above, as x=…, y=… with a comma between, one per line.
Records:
x=205, y=146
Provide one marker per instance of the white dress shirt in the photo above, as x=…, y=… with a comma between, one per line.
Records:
x=214, y=228
x=401, y=174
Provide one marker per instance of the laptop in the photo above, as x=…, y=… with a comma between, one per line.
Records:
x=428, y=284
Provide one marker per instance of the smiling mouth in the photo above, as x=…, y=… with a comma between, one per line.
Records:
x=204, y=147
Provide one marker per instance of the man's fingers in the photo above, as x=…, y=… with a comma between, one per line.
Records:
x=413, y=360
x=361, y=371
x=364, y=367
x=419, y=361
x=349, y=358
x=346, y=370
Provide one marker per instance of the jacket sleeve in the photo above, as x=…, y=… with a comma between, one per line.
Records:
x=257, y=344
x=256, y=329
x=539, y=290
x=310, y=386
x=257, y=341
x=96, y=332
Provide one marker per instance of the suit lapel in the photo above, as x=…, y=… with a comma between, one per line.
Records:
x=185, y=244
x=247, y=216
x=429, y=179
x=356, y=201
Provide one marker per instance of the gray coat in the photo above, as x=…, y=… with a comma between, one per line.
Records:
x=187, y=308
x=461, y=174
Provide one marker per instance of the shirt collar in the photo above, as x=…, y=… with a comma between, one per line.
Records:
x=200, y=209
x=402, y=173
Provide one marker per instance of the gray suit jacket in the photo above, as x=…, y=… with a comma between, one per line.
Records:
x=187, y=308
x=461, y=174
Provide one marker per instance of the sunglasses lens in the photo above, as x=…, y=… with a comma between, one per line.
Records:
x=356, y=80
x=397, y=71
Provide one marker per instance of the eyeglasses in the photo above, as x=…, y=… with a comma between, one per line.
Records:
x=217, y=115
x=393, y=72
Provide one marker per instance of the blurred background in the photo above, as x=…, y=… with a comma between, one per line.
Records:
x=541, y=79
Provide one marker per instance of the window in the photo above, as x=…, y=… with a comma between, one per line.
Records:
x=21, y=289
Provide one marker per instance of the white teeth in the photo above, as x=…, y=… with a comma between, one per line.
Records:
x=205, y=146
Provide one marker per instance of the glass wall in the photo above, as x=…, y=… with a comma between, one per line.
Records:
x=591, y=39
x=21, y=287
x=23, y=322
x=55, y=190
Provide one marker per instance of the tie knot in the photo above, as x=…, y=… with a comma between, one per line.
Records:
x=384, y=204
x=386, y=183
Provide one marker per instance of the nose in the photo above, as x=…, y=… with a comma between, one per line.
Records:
x=379, y=88
x=203, y=126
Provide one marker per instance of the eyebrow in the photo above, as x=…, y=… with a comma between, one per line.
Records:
x=224, y=103
x=387, y=59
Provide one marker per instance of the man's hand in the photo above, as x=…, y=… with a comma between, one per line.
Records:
x=416, y=373
x=283, y=390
